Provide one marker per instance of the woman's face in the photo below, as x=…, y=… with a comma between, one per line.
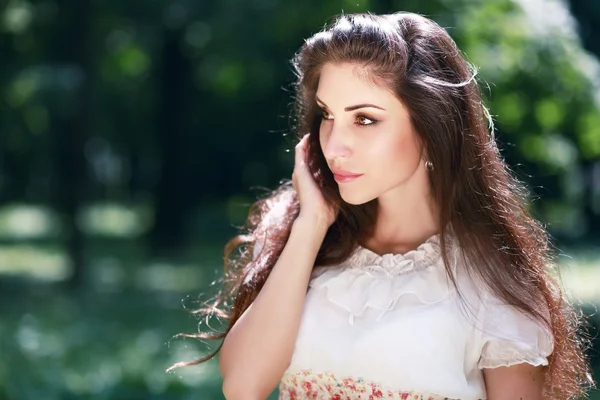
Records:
x=365, y=130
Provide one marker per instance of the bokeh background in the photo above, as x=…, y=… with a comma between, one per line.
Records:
x=135, y=134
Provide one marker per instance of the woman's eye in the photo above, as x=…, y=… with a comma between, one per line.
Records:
x=326, y=115
x=364, y=120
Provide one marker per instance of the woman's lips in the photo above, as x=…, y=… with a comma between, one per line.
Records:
x=345, y=178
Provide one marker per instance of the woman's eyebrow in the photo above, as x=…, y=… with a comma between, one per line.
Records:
x=352, y=108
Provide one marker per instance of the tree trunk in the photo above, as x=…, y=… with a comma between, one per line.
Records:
x=72, y=128
x=172, y=203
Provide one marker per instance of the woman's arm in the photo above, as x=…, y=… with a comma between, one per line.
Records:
x=258, y=349
x=517, y=382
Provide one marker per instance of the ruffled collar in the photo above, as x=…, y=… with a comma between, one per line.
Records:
x=367, y=280
x=425, y=255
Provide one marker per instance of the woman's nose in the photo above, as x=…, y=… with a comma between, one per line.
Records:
x=336, y=144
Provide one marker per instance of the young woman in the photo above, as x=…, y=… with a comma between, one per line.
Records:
x=401, y=261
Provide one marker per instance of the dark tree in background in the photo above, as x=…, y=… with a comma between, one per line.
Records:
x=588, y=18
x=172, y=114
x=72, y=125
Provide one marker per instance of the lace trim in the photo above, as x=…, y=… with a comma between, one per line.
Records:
x=425, y=255
x=505, y=355
x=532, y=359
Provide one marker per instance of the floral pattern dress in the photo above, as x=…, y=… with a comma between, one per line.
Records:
x=393, y=327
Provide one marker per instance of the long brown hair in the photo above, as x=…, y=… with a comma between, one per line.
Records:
x=476, y=193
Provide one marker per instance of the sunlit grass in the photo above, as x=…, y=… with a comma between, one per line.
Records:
x=30, y=221
x=116, y=220
x=49, y=264
x=21, y=222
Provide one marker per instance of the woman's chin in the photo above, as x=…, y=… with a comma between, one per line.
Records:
x=354, y=198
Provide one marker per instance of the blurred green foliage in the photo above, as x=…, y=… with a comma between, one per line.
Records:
x=131, y=132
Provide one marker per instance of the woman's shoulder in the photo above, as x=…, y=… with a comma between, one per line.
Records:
x=504, y=334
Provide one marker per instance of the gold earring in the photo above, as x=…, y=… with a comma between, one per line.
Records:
x=428, y=165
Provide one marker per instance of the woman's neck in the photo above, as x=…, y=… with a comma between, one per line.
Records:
x=403, y=224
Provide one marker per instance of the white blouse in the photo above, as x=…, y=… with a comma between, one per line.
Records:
x=393, y=327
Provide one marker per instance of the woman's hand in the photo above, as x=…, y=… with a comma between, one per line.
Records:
x=312, y=203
